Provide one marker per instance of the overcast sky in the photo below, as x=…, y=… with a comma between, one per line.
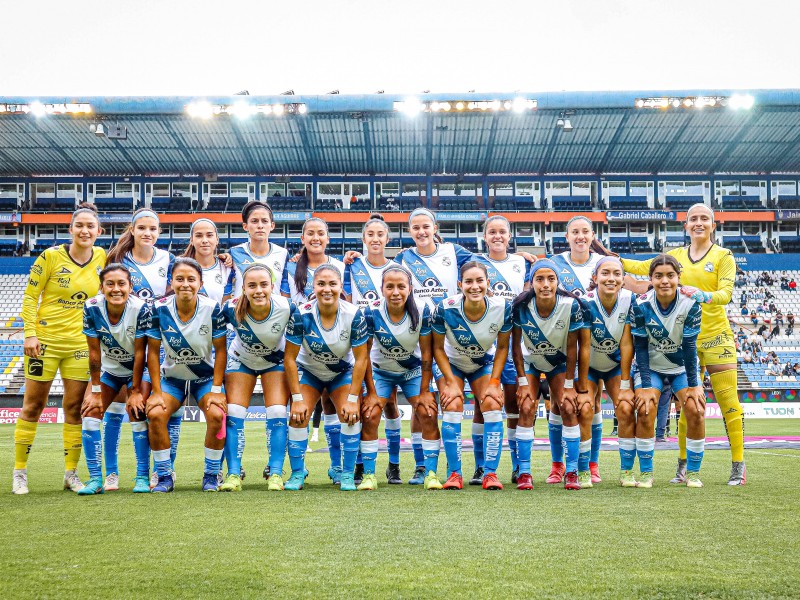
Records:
x=196, y=47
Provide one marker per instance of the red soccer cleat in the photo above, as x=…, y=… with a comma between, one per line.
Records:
x=525, y=481
x=454, y=482
x=491, y=482
x=556, y=473
x=571, y=481
x=594, y=469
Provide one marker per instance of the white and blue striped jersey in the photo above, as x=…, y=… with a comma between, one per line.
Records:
x=276, y=259
x=299, y=297
x=395, y=346
x=508, y=276
x=607, y=328
x=471, y=344
x=259, y=345
x=435, y=276
x=150, y=279
x=325, y=353
x=666, y=330
x=117, y=340
x=215, y=280
x=545, y=338
x=362, y=281
x=188, y=347
x=575, y=278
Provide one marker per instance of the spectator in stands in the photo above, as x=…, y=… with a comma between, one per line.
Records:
x=776, y=331
x=761, y=308
x=787, y=370
x=745, y=310
x=758, y=294
x=741, y=280
x=789, y=323
x=792, y=285
x=754, y=319
x=747, y=357
x=762, y=331
x=740, y=335
x=769, y=295
x=784, y=282
x=762, y=359
x=774, y=368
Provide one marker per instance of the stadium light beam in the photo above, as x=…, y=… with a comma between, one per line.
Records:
x=741, y=102
x=37, y=109
x=200, y=110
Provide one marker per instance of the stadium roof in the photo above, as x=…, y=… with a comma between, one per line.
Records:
x=337, y=134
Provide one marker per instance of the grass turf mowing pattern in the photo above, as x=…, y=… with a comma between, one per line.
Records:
x=607, y=542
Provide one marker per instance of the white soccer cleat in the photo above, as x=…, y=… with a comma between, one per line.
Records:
x=153, y=479
x=19, y=485
x=112, y=482
x=72, y=481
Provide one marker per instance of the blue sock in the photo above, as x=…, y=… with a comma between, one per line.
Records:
x=645, y=448
x=572, y=440
x=512, y=447
x=234, y=440
x=451, y=436
x=163, y=464
x=393, y=439
x=431, y=450
x=92, y=446
x=298, y=443
x=141, y=447
x=477, y=444
x=174, y=428
x=554, y=427
x=213, y=461
x=524, y=445
x=333, y=435
x=597, y=437
x=277, y=432
x=492, y=440
x=694, y=454
x=112, y=428
x=627, y=453
x=369, y=453
x=583, y=454
x=351, y=440
x=416, y=445
x=359, y=457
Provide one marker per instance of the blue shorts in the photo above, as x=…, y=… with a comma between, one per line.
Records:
x=386, y=382
x=116, y=382
x=531, y=370
x=235, y=366
x=459, y=374
x=595, y=375
x=181, y=388
x=509, y=374
x=308, y=378
x=678, y=381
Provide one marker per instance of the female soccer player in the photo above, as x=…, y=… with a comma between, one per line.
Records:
x=203, y=244
x=470, y=342
x=362, y=287
x=508, y=273
x=115, y=324
x=550, y=322
x=399, y=341
x=259, y=319
x=326, y=339
x=191, y=329
x=258, y=222
x=610, y=313
x=669, y=323
x=711, y=270
x=61, y=280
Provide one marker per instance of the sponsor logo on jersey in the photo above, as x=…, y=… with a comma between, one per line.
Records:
x=36, y=269
x=459, y=327
x=64, y=271
x=81, y=354
x=170, y=329
x=597, y=321
x=653, y=322
x=451, y=302
x=102, y=329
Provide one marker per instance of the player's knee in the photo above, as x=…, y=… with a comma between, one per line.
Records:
x=624, y=411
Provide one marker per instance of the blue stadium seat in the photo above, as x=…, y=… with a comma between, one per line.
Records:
x=627, y=203
x=682, y=202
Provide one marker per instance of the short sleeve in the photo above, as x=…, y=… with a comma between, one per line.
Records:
x=358, y=330
x=169, y=268
x=437, y=322
x=369, y=321
x=425, y=321
x=347, y=285
x=636, y=315
x=218, y=324
x=228, y=291
x=691, y=326
x=295, y=330
x=576, y=319
x=398, y=258
x=228, y=312
x=462, y=255
x=89, y=329
x=143, y=321
x=284, y=287
x=508, y=319
x=154, y=329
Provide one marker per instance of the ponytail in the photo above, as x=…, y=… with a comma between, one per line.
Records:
x=598, y=248
x=301, y=272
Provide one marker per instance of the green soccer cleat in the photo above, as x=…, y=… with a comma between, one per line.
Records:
x=275, y=483
x=627, y=479
x=141, y=484
x=693, y=480
x=295, y=481
x=645, y=480
x=348, y=483
x=233, y=483
x=368, y=483
x=92, y=487
x=432, y=482
x=585, y=479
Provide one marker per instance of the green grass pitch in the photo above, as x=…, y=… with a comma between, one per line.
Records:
x=607, y=542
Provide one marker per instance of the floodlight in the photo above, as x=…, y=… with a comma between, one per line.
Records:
x=200, y=110
x=567, y=125
x=37, y=109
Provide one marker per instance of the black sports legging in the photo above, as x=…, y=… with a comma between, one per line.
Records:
x=317, y=416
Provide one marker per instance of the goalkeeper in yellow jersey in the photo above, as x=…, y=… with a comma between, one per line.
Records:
x=61, y=280
x=711, y=270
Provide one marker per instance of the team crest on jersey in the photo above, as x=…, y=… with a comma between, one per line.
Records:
x=643, y=297
x=494, y=328
x=307, y=306
x=130, y=330
x=621, y=318
x=203, y=329
x=344, y=335
x=560, y=324
x=162, y=272
x=93, y=301
x=680, y=319
x=516, y=269
x=276, y=265
x=446, y=261
x=708, y=267
x=218, y=278
x=276, y=327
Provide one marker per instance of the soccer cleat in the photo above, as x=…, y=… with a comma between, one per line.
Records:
x=141, y=485
x=233, y=483
x=515, y=475
x=454, y=482
x=275, y=483
x=432, y=482
x=680, y=473
x=491, y=482
x=477, y=477
x=314, y=436
x=112, y=482
x=295, y=481
x=693, y=480
x=571, y=481
x=614, y=431
x=594, y=469
x=368, y=483
x=418, y=477
x=153, y=479
x=210, y=482
x=738, y=474
x=525, y=481
x=335, y=475
x=220, y=478
x=556, y=473
x=265, y=474
x=645, y=481
x=92, y=487
x=347, y=483
x=241, y=472
x=164, y=484
x=19, y=484
x=627, y=479
x=358, y=474
x=72, y=481
x=661, y=440
x=393, y=474
x=585, y=479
